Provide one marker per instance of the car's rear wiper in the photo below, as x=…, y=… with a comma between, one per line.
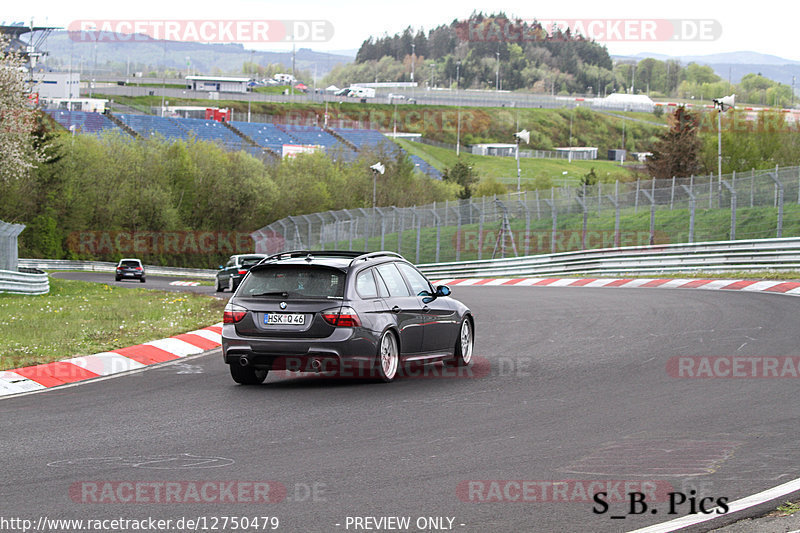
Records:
x=282, y=294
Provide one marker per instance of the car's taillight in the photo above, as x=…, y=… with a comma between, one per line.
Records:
x=344, y=317
x=138, y=268
x=242, y=272
x=233, y=313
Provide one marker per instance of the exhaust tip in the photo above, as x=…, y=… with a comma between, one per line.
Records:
x=316, y=364
x=244, y=361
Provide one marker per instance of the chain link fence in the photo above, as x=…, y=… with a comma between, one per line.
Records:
x=752, y=205
x=8, y=245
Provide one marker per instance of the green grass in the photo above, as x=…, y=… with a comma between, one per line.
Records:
x=788, y=508
x=81, y=318
x=275, y=89
x=535, y=173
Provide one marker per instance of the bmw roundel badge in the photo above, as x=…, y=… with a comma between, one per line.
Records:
x=283, y=305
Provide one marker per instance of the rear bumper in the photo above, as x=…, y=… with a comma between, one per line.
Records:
x=346, y=347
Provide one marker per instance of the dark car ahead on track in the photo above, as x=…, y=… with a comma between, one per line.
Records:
x=130, y=269
x=364, y=315
x=230, y=275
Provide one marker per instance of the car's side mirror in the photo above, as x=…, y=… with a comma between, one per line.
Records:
x=221, y=267
x=443, y=290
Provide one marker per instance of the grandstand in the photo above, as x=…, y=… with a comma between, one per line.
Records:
x=270, y=138
x=361, y=138
x=149, y=125
x=81, y=121
x=265, y=134
x=211, y=130
x=314, y=135
x=425, y=167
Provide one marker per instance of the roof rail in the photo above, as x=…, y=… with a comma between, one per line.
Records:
x=311, y=253
x=371, y=255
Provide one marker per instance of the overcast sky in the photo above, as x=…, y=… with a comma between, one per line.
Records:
x=771, y=32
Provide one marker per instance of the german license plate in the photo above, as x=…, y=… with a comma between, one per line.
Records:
x=284, y=319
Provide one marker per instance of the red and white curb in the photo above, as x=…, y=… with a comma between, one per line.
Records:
x=31, y=378
x=780, y=287
x=185, y=283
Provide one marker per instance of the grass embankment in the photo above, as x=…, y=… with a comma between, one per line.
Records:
x=81, y=318
x=672, y=226
x=534, y=173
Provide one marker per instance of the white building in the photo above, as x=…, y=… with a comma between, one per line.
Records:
x=56, y=84
x=219, y=84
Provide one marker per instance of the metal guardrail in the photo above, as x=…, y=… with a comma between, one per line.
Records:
x=31, y=282
x=756, y=254
x=104, y=266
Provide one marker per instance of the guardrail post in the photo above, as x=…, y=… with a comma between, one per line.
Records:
x=778, y=200
x=753, y=184
x=636, y=201
x=538, y=209
x=691, y=211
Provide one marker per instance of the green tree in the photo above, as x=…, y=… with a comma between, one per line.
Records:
x=463, y=175
x=677, y=151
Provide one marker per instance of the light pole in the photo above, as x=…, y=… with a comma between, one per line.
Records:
x=413, y=59
x=497, y=73
x=458, y=127
x=523, y=135
x=722, y=105
x=376, y=169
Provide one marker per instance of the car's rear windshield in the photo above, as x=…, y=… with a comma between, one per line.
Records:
x=247, y=262
x=294, y=281
x=130, y=263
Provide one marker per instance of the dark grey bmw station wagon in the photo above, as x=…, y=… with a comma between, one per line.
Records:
x=366, y=314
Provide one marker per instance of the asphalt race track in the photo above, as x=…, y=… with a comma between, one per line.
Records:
x=152, y=282
x=570, y=386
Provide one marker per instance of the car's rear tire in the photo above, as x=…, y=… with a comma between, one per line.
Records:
x=464, y=344
x=141, y=280
x=217, y=286
x=247, y=375
x=387, y=362
x=116, y=278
